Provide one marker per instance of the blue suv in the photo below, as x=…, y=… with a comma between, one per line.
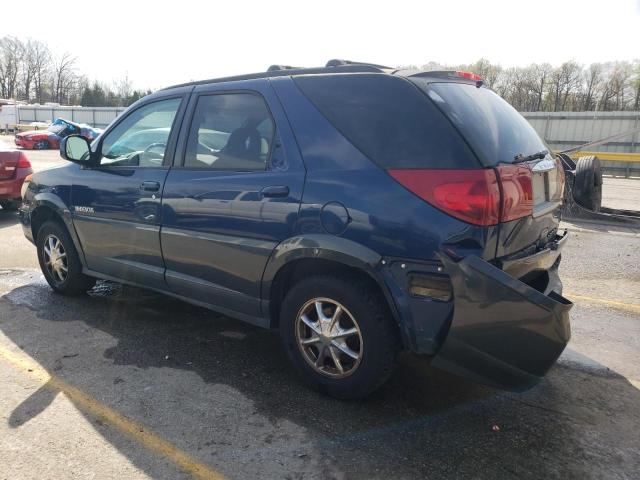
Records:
x=357, y=209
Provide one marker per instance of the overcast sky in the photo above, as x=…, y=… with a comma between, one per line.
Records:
x=161, y=43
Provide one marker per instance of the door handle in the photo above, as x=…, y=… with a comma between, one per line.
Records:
x=274, y=191
x=150, y=186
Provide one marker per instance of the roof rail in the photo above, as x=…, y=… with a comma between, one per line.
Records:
x=336, y=62
x=276, y=68
x=284, y=70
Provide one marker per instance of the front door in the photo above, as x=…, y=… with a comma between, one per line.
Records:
x=234, y=196
x=116, y=205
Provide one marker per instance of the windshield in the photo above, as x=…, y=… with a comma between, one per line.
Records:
x=57, y=128
x=494, y=129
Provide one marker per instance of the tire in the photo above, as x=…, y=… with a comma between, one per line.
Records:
x=376, y=341
x=587, y=187
x=9, y=205
x=41, y=145
x=73, y=281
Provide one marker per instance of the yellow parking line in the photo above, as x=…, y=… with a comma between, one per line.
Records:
x=633, y=307
x=132, y=429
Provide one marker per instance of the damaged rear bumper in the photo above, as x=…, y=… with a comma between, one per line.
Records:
x=504, y=332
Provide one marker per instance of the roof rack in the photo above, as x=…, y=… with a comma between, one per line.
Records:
x=276, y=68
x=336, y=62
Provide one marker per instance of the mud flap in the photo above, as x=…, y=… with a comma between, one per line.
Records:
x=504, y=333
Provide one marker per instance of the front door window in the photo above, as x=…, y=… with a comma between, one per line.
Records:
x=141, y=139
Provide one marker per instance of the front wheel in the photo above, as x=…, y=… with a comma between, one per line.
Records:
x=59, y=260
x=41, y=145
x=339, y=335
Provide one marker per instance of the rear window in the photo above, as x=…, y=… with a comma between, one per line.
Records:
x=494, y=129
x=389, y=120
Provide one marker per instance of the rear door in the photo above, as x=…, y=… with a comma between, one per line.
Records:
x=499, y=135
x=232, y=195
x=116, y=206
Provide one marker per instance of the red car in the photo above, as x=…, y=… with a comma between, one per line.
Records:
x=14, y=168
x=50, y=138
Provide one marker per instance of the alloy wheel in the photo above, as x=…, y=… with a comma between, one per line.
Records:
x=329, y=338
x=55, y=258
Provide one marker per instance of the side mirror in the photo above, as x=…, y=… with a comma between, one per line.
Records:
x=76, y=149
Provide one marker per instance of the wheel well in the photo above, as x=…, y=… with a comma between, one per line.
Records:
x=41, y=215
x=293, y=271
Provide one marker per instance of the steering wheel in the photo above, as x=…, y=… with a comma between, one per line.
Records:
x=154, y=145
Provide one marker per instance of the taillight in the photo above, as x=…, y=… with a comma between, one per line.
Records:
x=23, y=161
x=517, y=192
x=469, y=195
x=474, y=196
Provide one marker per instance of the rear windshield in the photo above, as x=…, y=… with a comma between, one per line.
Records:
x=389, y=120
x=493, y=128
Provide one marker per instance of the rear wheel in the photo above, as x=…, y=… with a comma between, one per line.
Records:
x=10, y=205
x=587, y=187
x=59, y=260
x=339, y=335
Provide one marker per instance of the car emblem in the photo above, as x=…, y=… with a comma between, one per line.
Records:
x=79, y=209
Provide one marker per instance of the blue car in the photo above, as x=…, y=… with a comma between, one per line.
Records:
x=356, y=209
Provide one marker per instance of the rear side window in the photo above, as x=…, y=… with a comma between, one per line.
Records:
x=389, y=120
x=493, y=128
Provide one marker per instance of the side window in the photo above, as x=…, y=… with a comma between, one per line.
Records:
x=232, y=132
x=140, y=139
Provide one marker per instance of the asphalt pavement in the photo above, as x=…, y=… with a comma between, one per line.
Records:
x=124, y=383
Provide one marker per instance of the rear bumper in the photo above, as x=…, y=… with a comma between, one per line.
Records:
x=504, y=332
x=24, y=214
x=10, y=189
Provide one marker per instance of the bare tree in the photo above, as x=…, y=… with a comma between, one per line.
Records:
x=636, y=87
x=64, y=77
x=11, y=50
x=538, y=79
x=592, y=82
x=123, y=90
x=488, y=71
x=621, y=84
x=616, y=82
x=38, y=61
x=564, y=81
x=29, y=71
